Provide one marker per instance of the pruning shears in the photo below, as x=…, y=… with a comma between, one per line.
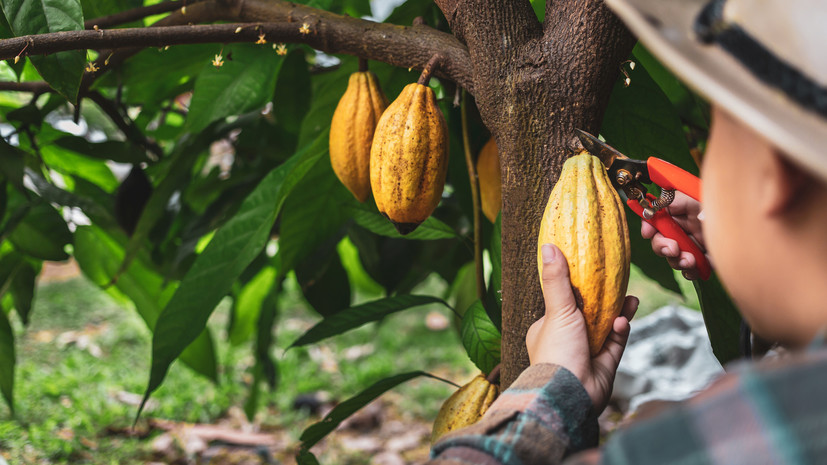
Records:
x=629, y=175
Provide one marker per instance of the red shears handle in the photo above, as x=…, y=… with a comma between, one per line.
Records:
x=669, y=176
x=666, y=225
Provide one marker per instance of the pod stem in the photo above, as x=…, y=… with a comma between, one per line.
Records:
x=430, y=67
x=494, y=375
x=363, y=65
x=475, y=198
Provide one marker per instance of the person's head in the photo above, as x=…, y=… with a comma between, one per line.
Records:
x=761, y=65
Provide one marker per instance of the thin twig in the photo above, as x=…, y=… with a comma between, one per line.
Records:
x=475, y=198
x=430, y=67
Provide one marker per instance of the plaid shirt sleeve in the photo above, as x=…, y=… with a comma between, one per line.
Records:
x=770, y=413
x=544, y=416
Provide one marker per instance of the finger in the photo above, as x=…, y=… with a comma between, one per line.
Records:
x=674, y=262
x=687, y=261
x=557, y=292
x=664, y=246
x=690, y=275
x=609, y=356
x=647, y=230
x=630, y=305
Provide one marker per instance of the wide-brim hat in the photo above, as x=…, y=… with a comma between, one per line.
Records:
x=764, y=61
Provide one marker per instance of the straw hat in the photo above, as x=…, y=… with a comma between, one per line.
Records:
x=765, y=61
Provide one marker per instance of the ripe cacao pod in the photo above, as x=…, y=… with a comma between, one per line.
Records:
x=488, y=172
x=351, y=132
x=465, y=407
x=585, y=218
x=409, y=158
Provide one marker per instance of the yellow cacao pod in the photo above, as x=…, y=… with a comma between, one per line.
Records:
x=351, y=132
x=409, y=158
x=585, y=218
x=465, y=407
x=488, y=171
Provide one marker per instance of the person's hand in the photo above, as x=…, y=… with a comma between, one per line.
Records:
x=559, y=337
x=685, y=211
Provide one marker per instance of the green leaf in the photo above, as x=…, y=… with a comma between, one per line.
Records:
x=22, y=289
x=62, y=70
x=324, y=281
x=99, y=254
x=480, y=338
x=7, y=360
x=243, y=84
x=464, y=288
x=42, y=234
x=248, y=305
x=70, y=163
x=317, y=431
x=641, y=122
x=312, y=213
x=368, y=217
x=493, y=296
x=305, y=457
x=691, y=108
x=722, y=320
x=92, y=208
x=292, y=98
x=653, y=266
x=117, y=151
x=12, y=163
x=386, y=260
x=360, y=315
x=229, y=252
x=96, y=8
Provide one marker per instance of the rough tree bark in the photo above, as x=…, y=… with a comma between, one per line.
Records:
x=534, y=83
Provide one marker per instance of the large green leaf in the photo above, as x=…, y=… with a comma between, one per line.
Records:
x=229, y=252
x=722, y=320
x=248, y=304
x=363, y=314
x=7, y=360
x=312, y=213
x=99, y=254
x=691, y=108
x=71, y=163
x=243, y=84
x=292, y=98
x=96, y=8
x=62, y=70
x=368, y=217
x=641, y=122
x=324, y=281
x=42, y=234
x=317, y=431
x=23, y=288
x=480, y=338
x=12, y=163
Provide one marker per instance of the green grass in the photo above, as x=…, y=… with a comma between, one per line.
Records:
x=67, y=399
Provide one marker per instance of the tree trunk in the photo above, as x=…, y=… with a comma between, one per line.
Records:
x=534, y=84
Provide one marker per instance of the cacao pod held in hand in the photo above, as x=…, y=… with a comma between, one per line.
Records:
x=409, y=158
x=465, y=407
x=584, y=217
x=351, y=132
x=488, y=171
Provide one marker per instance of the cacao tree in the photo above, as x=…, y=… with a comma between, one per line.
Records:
x=219, y=111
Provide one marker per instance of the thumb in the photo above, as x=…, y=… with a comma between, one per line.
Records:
x=557, y=292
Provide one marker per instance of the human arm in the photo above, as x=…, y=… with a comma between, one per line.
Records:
x=549, y=412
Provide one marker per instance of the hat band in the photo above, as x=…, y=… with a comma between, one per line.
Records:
x=711, y=27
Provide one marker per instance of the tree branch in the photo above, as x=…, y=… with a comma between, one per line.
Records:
x=407, y=47
x=126, y=125
x=136, y=14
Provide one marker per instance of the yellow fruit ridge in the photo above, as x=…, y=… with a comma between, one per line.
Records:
x=351, y=132
x=409, y=158
x=488, y=172
x=585, y=218
x=465, y=407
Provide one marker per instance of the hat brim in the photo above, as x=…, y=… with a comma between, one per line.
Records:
x=665, y=27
